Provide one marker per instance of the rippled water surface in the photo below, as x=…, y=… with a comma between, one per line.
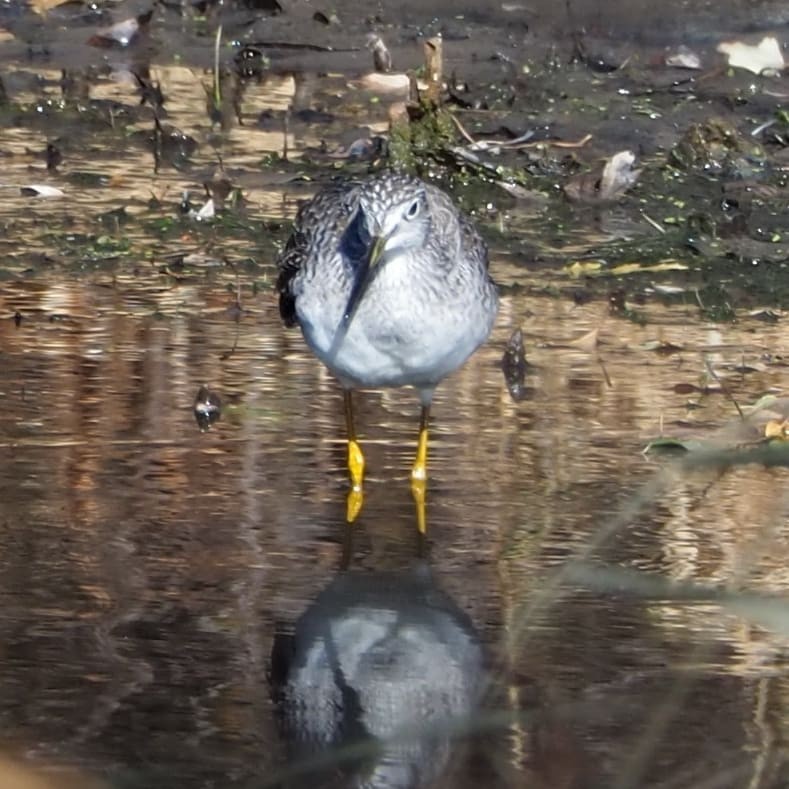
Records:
x=148, y=568
x=188, y=608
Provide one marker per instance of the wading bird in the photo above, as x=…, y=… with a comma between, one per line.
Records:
x=389, y=284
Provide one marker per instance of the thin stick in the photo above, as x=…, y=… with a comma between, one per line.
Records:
x=723, y=387
x=462, y=130
x=217, y=88
x=654, y=223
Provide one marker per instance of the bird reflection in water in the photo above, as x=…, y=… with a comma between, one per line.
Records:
x=380, y=674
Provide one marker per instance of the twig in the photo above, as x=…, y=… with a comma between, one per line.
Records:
x=723, y=387
x=605, y=371
x=654, y=223
x=763, y=127
x=462, y=129
x=217, y=87
x=561, y=144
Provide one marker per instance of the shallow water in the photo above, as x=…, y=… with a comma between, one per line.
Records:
x=184, y=608
x=147, y=565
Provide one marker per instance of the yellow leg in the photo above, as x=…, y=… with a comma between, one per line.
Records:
x=419, y=472
x=355, y=464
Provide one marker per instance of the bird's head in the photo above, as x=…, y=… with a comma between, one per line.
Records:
x=395, y=216
x=393, y=219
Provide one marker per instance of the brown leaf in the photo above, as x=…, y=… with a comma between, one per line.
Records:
x=42, y=6
x=514, y=366
x=616, y=177
x=121, y=34
x=777, y=429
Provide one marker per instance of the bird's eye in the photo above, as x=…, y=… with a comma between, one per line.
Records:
x=413, y=210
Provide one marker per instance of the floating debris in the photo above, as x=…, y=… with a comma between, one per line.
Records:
x=514, y=366
x=386, y=83
x=758, y=58
x=219, y=188
x=250, y=62
x=716, y=146
x=41, y=190
x=121, y=34
x=617, y=176
x=53, y=156
x=777, y=429
x=207, y=408
x=206, y=211
x=683, y=58
x=382, y=58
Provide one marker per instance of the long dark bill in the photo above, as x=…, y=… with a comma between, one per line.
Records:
x=364, y=273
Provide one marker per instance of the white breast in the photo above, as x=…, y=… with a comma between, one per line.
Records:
x=403, y=333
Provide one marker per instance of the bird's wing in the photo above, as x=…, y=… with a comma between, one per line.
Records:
x=318, y=225
x=289, y=264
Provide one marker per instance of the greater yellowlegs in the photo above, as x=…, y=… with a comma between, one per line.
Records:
x=390, y=285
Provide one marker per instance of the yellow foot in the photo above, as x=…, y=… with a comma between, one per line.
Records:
x=356, y=471
x=418, y=490
x=354, y=504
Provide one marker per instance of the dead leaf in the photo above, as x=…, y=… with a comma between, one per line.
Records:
x=41, y=190
x=121, y=34
x=386, y=83
x=43, y=6
x=668, y=290
x=683, y=58
x=777, y=429
x=766, y=315
x=591, y=268
x=206, y=211
x=618, y=175
x=514, y=366
x=661, y=347
x=766, y=55
x=207, y=407
x=631, y=268
x=521, y=192
x=584, y=268
x=615, y=178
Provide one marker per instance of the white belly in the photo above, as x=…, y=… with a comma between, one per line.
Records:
x=393, y=342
